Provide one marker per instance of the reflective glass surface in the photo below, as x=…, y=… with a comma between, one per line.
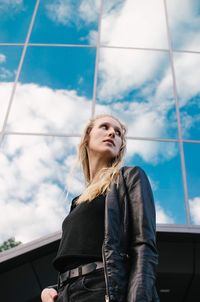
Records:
x=184, y=22
x=35, y=189
x=9, y=60
x=141, y=95
x=129, y=75
x=66, y=22
x=15, y=18
x=161, y=162
x=55, y=83
x=134, y=23
x=192, y=152
x=187, y=68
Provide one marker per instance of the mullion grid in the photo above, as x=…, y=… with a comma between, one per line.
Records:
x=182, y=155
x=19, y=69
x=98, y=46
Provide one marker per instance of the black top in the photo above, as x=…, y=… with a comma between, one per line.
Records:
x=82, y=235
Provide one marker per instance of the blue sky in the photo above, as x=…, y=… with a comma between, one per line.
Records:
x=54, y=95
x=14, y=27
x=10, y=57
x=63, y=22
x=59, y=68
x=167, y=185
x=192, y=152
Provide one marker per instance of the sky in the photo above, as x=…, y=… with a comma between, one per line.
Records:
x=54, y=95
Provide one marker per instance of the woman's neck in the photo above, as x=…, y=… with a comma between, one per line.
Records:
x=96, y=166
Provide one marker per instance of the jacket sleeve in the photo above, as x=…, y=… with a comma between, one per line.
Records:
x=143, y=251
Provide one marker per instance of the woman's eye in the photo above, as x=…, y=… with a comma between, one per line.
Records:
x=118, y=132
x=104, y=127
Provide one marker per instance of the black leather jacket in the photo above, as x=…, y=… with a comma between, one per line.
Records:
x=129, y=251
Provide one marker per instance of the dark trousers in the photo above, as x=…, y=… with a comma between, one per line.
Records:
x=86, y=288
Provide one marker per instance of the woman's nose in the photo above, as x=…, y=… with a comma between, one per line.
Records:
x=112, y=132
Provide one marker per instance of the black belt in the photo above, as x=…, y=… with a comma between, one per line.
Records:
x=79, y=271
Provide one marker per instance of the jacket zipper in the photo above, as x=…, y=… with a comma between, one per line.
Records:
x=106, y=277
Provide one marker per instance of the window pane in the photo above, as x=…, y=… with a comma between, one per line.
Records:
x=137, y=87
x=55, y=83
x=134, y=23
x=192, y=152
x=71, y=22
x=35, y=189
x=187, y=67
x=184, y=21
x=15, y=18
x=161, y=162
x=9, y=60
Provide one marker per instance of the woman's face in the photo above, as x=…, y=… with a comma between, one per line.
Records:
x=105, y=138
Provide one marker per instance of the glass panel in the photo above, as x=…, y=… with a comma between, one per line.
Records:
x=71, y=22
x=184, y=22
x=187, y=68
x=35, y=193
x=15, y=15
x=137, y=86
x=192, y=152
x=9, y=60
x=161, y=162
x=55, y=84
x=134, y=23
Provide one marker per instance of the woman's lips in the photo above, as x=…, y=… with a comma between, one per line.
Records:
x=109, y=141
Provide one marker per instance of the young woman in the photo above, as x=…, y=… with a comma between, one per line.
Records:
x=108, y=246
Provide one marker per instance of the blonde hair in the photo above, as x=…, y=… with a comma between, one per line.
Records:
x=106, y=175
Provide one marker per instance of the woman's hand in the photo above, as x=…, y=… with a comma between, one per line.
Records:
x=49, y=295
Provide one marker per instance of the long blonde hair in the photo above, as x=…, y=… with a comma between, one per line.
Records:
x=106, y=175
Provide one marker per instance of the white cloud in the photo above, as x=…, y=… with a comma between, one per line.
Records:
x=2, y=58
x=92, y=37
x=33, y=172
x=60, y=11
x=5, y=74
x=195, y=209
x=162, y=216
x=151, y=152
x=145, y=120
x=5, y=92
x=187, y=67
x=29, y=110
x=184, y=20
x=14, y=5
x=66, y=12
x=28, y=221
x=121, y=71
x=29, y=114
x=135, y=23
x=89, y=10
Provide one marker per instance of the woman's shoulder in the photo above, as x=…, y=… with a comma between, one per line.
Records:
x=131, y=169
x=133, y=173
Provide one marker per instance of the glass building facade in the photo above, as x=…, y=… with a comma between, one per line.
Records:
x=64, y=61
